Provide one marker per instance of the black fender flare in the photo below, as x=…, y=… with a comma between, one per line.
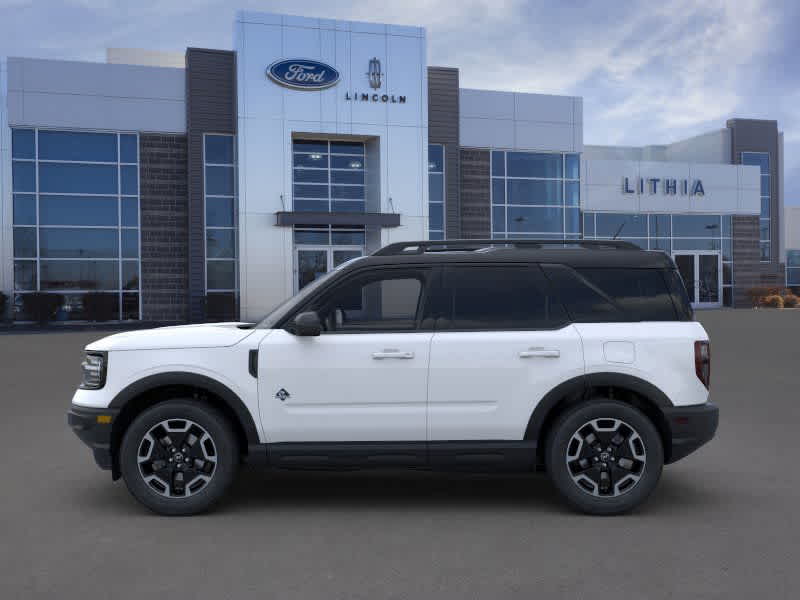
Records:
x=577, y=387
x=194, y=380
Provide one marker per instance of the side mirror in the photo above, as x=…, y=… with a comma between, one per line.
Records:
x=307, y=324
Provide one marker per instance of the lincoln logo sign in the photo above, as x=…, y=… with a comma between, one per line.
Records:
x=667, y=186
x=302, y=74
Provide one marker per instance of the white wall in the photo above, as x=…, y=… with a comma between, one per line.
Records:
x=513, y=120
x=729, y=189
x=146, y=58
x=712, y=147
x=270, y=114
x=83, y=95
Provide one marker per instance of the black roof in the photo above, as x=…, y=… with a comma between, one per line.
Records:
x=577, y=253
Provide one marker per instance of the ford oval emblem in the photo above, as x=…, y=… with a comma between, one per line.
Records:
x=303, y=74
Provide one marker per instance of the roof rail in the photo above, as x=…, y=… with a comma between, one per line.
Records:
x=422, y=246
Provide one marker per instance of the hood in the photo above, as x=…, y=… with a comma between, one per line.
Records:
x=206, y=335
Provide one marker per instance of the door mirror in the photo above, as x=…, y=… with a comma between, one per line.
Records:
x=307, y=324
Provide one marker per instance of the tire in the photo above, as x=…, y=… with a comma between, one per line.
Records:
x=640, y=452
x=185, y=486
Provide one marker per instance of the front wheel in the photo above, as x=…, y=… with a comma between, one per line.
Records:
x=179, y=457
x=605, y=457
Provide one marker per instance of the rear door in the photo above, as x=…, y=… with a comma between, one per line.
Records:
x=501, y=343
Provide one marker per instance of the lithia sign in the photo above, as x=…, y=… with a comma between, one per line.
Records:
x=306, y=74
x=667, y=186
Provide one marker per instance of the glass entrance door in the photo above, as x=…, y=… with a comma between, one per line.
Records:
x=312, y=262
x=702, y=275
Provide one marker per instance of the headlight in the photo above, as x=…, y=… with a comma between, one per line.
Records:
x=93, y=369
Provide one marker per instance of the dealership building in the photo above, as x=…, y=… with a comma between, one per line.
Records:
x=213, y=184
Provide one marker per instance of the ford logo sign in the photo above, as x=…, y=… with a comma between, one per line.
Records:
x=303, y=74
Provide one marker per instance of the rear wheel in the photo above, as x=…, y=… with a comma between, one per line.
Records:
x=179, y=457
x=604, y=456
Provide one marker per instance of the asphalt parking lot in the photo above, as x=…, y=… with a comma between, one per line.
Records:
x=724, y=523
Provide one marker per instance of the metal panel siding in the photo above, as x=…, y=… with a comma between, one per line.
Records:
x=210, y=108
x=443, y=128
x=476, y=216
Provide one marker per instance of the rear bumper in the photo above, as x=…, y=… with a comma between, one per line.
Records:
x=691, y=427
x=83, y=421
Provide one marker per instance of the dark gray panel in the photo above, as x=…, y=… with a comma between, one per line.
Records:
x=443, y=113
x=287, y=219
x=210, y=108
x=475, y=199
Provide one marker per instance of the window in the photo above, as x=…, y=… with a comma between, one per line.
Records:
x=497, y=298
x=584, y=302
x=761, y=160
x=328, y=176
x=436, y=191
x=76, y=219
x=641, y=293
x=793, y=268
x=374, y=302
x=535, y=195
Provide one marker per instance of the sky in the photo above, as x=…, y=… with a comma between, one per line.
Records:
x=649, y=72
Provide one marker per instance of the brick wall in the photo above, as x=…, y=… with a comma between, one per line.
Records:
x=476, y=219
x=748, y=271
x=163, y=197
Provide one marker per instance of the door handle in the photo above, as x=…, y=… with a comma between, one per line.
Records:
x=392, y=354
x=540, y=352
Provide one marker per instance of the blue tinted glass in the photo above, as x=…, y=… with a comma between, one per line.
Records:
x=436, y=216
x=348, y=206
x=727, y=249
x=77, y=179
x=311, y=237
x=340, y=162
x=764, y=229
x=766, y=251
x=348, y=238
x=24, y=209
x=765, y=208
x=347, y=192
x=74, y=145
x=660, y=226
x=219, y=149
x=130, y=243
x=498, y=191
x=435, y=158
x=78, y=243
x=572, y=189
x=129, y=183
x=25, y=242
x=130, y=212
x=527, y=191
x=530, y=164
x=220, y=243
x=130, y=275
x=572, y=220
x=219, y=212
x=347, y=148
x=356, y=177
x=526, y=219
x=320, y=161
x=310, y=191
x=573, y=166
x=498, y=163
x=23, y=144
x=309, y=146
x=221, y=274
x=311, y=205
x=77, y=210
x=312, y=175
x=765, y=185
x=128, y=149
x=24, y=275
x=695, y=244
x=759, y=159
x=436, y=188
x=793, y=258
x=80, y=275
x=696, y=225
x=793, y=277
x=726, y=225
x=662, y=244
x=23, y=176
x=621, y=225
x=641, y=242
x=219, y=181
x=438, y=235
x=498, y=219
x=588, y=225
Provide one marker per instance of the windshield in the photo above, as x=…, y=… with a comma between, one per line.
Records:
x=287, y=305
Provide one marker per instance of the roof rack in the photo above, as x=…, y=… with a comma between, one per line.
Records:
x=423, y=246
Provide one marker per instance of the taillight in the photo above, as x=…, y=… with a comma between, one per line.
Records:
x=702, y=361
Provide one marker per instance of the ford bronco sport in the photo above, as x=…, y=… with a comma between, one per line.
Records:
x=580, y=358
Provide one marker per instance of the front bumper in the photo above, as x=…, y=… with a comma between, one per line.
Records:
x=94, y=432
x=691, y=427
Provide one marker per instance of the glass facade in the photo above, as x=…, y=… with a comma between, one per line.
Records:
x=535, y=195
x=669, y=233
x=319, y=249
x=761, y=160
x=328, y=176
x=793, y=268
x=76, y=221
x=435, y=191
x=219, y=158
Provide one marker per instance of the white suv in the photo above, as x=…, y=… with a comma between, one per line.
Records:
x=581, y=358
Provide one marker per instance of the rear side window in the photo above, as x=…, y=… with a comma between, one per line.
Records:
x=585, y=302
x=679, y=296
x=490, y=298
x=641, y=293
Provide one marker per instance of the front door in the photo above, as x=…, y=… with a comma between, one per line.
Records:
x=313, y=261
x=702, y=274
x=365, y=378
